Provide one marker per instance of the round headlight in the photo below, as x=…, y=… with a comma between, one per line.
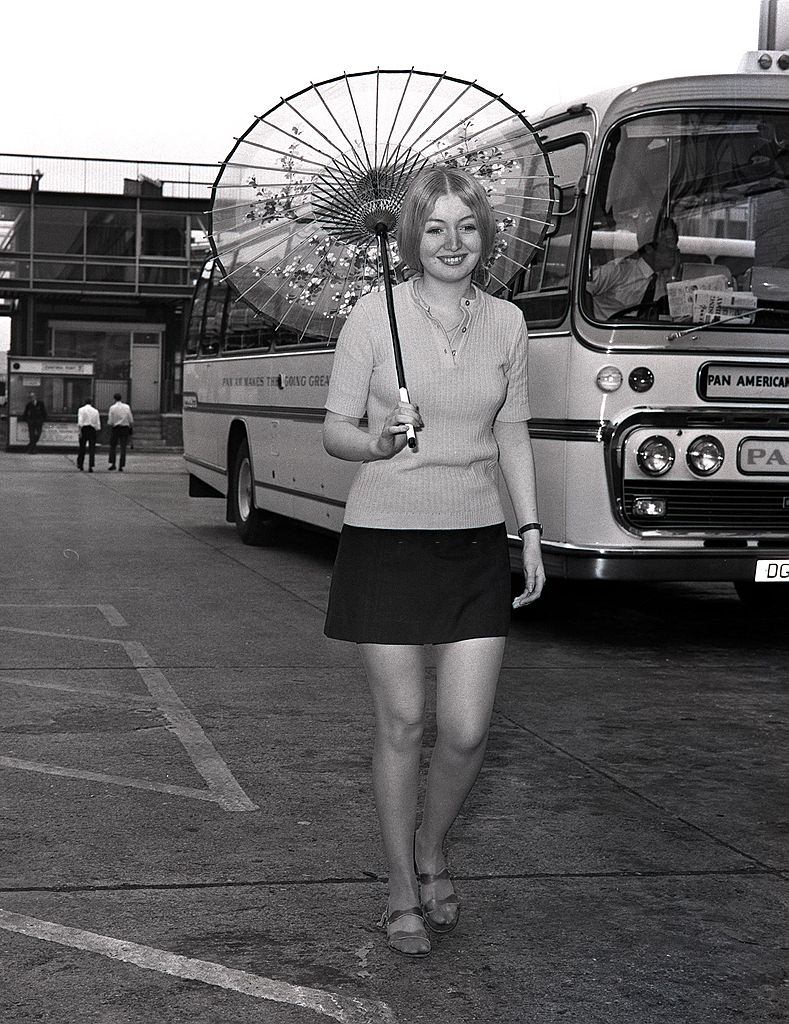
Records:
x=705, y=455
x=609, y=378
x=655, y=456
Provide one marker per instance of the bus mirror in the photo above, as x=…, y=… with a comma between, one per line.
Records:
x=566, y=203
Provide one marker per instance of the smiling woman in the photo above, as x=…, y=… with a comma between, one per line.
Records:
x=423, y=556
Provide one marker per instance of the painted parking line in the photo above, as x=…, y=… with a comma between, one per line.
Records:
x=222, y=786
x=343, y=1009
x=110, y=612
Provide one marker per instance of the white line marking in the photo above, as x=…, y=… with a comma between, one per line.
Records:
x=222, y=786
x=114, y=780
x=110, y=612
x=345, y=1010
x=197, y=745
x=87, y=691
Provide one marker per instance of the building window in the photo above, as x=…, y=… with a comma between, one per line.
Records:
x=110, y=233
x=59, y=231
x=164, y=234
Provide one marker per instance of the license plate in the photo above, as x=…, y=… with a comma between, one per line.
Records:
x=772, y=570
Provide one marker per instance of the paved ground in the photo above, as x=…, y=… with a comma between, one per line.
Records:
x=187, y=831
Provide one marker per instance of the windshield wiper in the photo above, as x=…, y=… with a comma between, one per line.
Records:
x=676, y=335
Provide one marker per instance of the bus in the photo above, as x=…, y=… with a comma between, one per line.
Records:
x=660, y=433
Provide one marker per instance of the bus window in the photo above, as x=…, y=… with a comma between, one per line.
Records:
x=195, y=325
x=690, y=205
x=543, y=293
x=244, y=330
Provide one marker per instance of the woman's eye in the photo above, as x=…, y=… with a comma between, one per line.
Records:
x=470, y=227
x=433, y=231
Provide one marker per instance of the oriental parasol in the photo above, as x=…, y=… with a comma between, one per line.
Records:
x=305, y=205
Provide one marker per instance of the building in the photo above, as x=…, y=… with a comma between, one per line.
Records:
x=97, y=262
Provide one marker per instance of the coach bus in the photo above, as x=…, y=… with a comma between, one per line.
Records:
x=660, y=430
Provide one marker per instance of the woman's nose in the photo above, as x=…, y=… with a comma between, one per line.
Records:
x=453, y=239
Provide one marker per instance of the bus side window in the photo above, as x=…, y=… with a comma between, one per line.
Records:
x=543, y=291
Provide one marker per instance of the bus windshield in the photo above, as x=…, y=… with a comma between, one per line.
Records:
x=690, y=222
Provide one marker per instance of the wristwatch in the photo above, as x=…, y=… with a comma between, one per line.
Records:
x=529, y=526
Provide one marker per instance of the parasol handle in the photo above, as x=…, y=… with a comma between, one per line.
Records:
x=381, y=232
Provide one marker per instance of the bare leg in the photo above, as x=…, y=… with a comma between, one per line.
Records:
x=467, y=676
x=396, y=675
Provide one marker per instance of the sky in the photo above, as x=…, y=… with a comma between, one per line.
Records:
x=178, y=80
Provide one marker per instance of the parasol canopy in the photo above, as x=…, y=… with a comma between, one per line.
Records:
x=305, y=203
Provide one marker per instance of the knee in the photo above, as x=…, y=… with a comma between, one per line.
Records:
x=401, y=730
x=463, y=740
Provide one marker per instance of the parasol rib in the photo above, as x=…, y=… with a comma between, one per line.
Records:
x=283, y=153
x=520, y=241
x=358, y=122
x=416, y=115
x=255, y=200
x=285, y=281
x=476, y=134
x=261, y=167
x=466, y=119
x=397, y=114
x=446, y=110
x=294, y=138
x=342, y=290
x=260, y=255
x=343, y=153
x=246, y=241
x=354, y=150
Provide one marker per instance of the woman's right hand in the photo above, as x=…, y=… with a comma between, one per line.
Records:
x=393, y=434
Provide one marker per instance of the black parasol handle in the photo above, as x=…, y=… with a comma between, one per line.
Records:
x=382, y=234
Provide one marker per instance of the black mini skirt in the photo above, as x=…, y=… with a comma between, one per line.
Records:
x=420, y=586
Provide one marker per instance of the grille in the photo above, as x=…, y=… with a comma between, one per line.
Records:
x=709, y=506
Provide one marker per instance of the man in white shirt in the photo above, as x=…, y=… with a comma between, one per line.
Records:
x=636, y=284
x=89, y=423
x=120, y=421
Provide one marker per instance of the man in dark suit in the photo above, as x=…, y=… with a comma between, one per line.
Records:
x=34, y=415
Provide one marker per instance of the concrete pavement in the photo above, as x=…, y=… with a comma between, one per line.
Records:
x=187, y=824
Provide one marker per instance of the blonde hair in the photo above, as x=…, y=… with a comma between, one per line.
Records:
x=418, y=204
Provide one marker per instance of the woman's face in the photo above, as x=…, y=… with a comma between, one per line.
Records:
x=451, y=246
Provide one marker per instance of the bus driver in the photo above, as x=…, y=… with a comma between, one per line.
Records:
x=637, y=283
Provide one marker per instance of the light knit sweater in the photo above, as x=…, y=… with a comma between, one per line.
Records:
x=450, y=481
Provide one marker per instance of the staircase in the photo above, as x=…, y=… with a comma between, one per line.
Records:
x=147, y=436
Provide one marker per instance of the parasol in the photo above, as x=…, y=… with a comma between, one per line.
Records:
x=306, y=202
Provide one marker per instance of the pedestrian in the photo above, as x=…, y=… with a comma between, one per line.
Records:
x=89, y=423
x=423, y=557
x=35, y=415
x=120, y=421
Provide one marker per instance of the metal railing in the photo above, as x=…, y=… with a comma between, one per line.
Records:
x=95, y=175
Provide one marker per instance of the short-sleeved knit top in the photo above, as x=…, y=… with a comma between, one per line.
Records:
x=450, y=481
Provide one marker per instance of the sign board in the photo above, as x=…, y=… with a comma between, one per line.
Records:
x=744, y=382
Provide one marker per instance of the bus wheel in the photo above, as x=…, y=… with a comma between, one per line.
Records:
x=763, y=597
x=254, y=526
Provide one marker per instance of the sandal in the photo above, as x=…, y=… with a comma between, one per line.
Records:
x=413, y=944
x=429, y=907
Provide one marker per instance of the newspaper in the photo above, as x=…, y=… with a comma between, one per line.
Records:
x=680, y=294
x=709, y=306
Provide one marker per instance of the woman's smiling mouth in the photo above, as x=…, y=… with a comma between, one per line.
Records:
x=452, y=261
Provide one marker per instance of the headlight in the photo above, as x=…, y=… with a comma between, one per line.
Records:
x=705, y=455
x=655, y=456
x=609, y=378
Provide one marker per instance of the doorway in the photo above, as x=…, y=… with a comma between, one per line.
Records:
x=145, y=371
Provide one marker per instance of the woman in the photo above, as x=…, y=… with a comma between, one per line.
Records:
x=423, y=556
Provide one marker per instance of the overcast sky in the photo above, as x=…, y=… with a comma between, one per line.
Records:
x=178, y=79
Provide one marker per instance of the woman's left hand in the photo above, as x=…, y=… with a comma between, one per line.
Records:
x=532, y=570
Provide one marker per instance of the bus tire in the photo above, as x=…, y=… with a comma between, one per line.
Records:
x=253, y=526
x=763, y=597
